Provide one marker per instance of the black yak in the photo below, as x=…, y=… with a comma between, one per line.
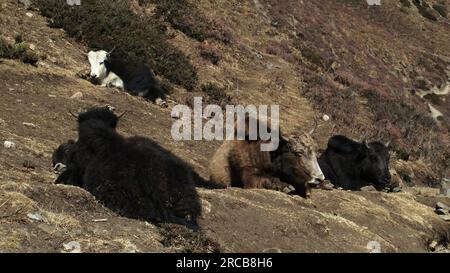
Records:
x=134, y=77
x=133, y=176
x=352, y=165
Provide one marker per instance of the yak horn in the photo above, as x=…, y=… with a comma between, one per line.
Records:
x=121, y=115
x=73, y=115
x=111, y=51
x=388, y=143
x=365, y=143
x=314, y=128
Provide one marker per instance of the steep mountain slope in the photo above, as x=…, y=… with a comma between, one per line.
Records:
x=278, y=55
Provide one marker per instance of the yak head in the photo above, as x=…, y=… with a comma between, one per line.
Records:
x=373, y=161
x=296, y=160
x=60, y=156
x=98, y=61
x=100, y=113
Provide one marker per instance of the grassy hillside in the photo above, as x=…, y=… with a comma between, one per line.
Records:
x=374, y=70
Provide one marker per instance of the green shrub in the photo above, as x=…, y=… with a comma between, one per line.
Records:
x=104, y=24
x=18, y=51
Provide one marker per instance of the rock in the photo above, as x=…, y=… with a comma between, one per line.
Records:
x=272, y=250
x=433, y=245
x=28, y=164
x=77, y=95
x=259, y=55
x=422, y=83
x=326, y=185
x=428, y=192
x=373, y=247
x=32, y=47
x=35, y=216
x=445, y=217
x=397, y=189
x=9, y=145
x=368, y=188
x=25, y=3
x=289, y=189
x=74, y=2
x=46, y=228
x=373, y=2
x=29, y=125
x=2, y=122
x=29, y=14
x=72, y=247
x=130, y=248
x=100, y=220
x=325, y=118
x=440, y=205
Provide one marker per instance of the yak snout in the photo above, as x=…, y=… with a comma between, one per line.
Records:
x=59, y=167
x=316, y=174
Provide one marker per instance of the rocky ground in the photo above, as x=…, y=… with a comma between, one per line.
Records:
x=38, y=216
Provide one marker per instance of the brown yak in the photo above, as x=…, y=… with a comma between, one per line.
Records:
x=293, y=165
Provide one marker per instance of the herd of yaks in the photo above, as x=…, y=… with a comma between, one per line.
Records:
x=138, y=178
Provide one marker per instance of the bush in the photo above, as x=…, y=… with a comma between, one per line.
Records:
x=185, y=17
x=416, y=129
x=104, y=24
x=209, y=52
x=216, y=94
x=18, y=51
x=281, y=49
x=341, y=105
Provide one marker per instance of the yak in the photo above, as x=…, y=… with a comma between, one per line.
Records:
x=291, y=168
x=134, y=176
x=134, y=77
x=61, y=155
x=351, y=165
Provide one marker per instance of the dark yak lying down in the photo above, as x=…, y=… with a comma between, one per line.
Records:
x=134, y=176
x=352, y=165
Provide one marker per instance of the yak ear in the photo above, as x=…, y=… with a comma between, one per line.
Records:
x=366, y=145
x=111, y=51
x=284, y=141
x=363, y=151
x=388, y=144
x=313, y=129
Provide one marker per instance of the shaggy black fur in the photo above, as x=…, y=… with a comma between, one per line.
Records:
x=137, y=78
x=133, y=176
x=352, y=165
